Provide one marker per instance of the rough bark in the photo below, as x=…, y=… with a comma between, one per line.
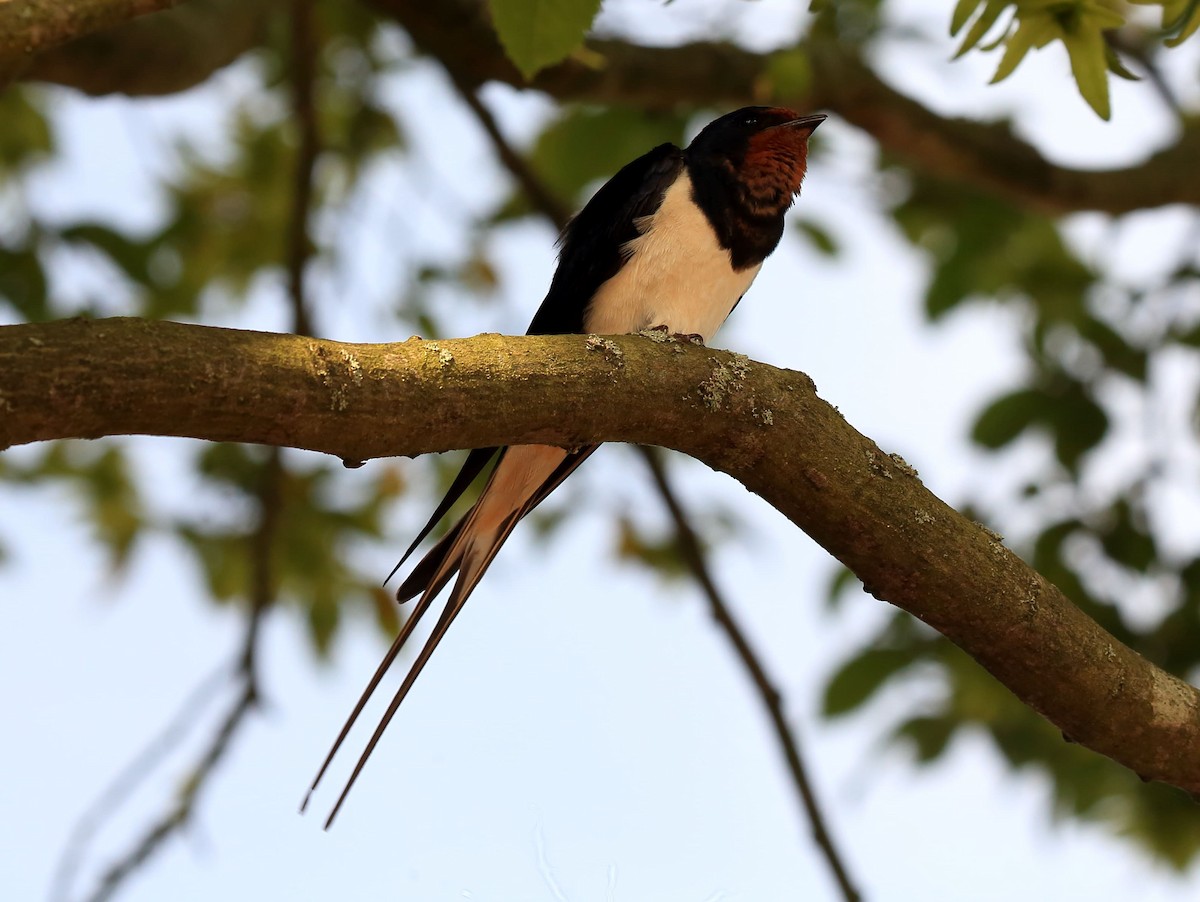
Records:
x=116, y=50
x=764, y=426
x=31, y=26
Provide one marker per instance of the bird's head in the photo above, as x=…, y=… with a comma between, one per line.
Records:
x=764, y=149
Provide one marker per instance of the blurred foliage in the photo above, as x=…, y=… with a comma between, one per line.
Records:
x=583, y=145
x=319, y=520
x=221, y=237
x=1095, y=349
x=101, y=479
x=1082, y=27
x=538, y=33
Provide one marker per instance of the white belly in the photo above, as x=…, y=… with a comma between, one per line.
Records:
x=677, y=275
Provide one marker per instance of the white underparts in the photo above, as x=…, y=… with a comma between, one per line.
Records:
x=676, y=275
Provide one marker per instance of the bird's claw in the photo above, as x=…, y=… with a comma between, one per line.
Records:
x=663, y=333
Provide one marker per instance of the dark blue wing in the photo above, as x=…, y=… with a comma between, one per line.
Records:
x=591, y=242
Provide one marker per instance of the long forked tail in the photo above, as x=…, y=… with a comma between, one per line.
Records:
x=523, y=477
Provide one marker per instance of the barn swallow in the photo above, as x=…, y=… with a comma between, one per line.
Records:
x=672, y=241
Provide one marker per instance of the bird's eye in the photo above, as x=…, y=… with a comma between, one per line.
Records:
x=750, y=120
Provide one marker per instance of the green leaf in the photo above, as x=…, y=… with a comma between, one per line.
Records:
x=1034, y=30
x=861, y=677
x=23, y=282
x=1185, y=24
x=963, y=10
x=818, y=237
x=1086, y=47
x=538, y=33
x=1118, y=353
x=789, y=73
x=659, y=553
x=1116, y=66
x=25, y=137
x=132, y=256
x=1127, y=541
x=103, y=480
x=987, y=18
x=929, y=735
x=1007, y=417
x=1079, y=424
x=841, y=580
x=587, y=144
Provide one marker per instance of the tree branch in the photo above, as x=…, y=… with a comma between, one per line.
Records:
x=985, y=155
x=785, y=734
x=30, y=26
x=691, y=550
x=178, y=48
x=764, y=426
x=162, y=53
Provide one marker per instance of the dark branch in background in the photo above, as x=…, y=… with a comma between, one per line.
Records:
x=31, y=26
x=181, y=812
x=692, y=552
x=270, y=488
x=171, y=50
x=163, y=53
x=130, y=778
x=543, y=199
x=303, y=78
x=715, y=75
x=785, y=733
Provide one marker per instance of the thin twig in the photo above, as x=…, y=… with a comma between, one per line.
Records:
x=270, y=488
x=303, y=75
x=262, y=595
x=693, y=555
x=129, y=779
x=544, y=201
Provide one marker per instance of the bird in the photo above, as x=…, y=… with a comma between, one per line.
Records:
x=672, y=242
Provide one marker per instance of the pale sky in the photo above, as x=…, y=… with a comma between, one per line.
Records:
x=583, y=733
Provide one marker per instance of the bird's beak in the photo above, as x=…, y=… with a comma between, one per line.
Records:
x=804, y=122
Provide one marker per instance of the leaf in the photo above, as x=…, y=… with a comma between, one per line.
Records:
x=1116, y=66
x=1079, y=424
x=1127, y=542
x=23, y=282
x=1034, y=30
x=102, y=478
x=587, y=144
x=818, y=237
x=538, y=33
x=1186, y=24
x=1007, y=417
x=963, y=10
x=661, y=554
x=1118, y=353
x=133, y=257
x=789, y=73
x=841, y=580
x=1085, y=45
x=25, y=138
x=929, y=735
x=987, y=18
x=861, y=677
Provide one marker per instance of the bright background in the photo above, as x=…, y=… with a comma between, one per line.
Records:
x=584, y=732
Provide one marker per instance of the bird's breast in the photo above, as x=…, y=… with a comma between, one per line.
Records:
x=675, y=274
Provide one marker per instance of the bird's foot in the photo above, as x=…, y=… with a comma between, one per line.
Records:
x=663, y=333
